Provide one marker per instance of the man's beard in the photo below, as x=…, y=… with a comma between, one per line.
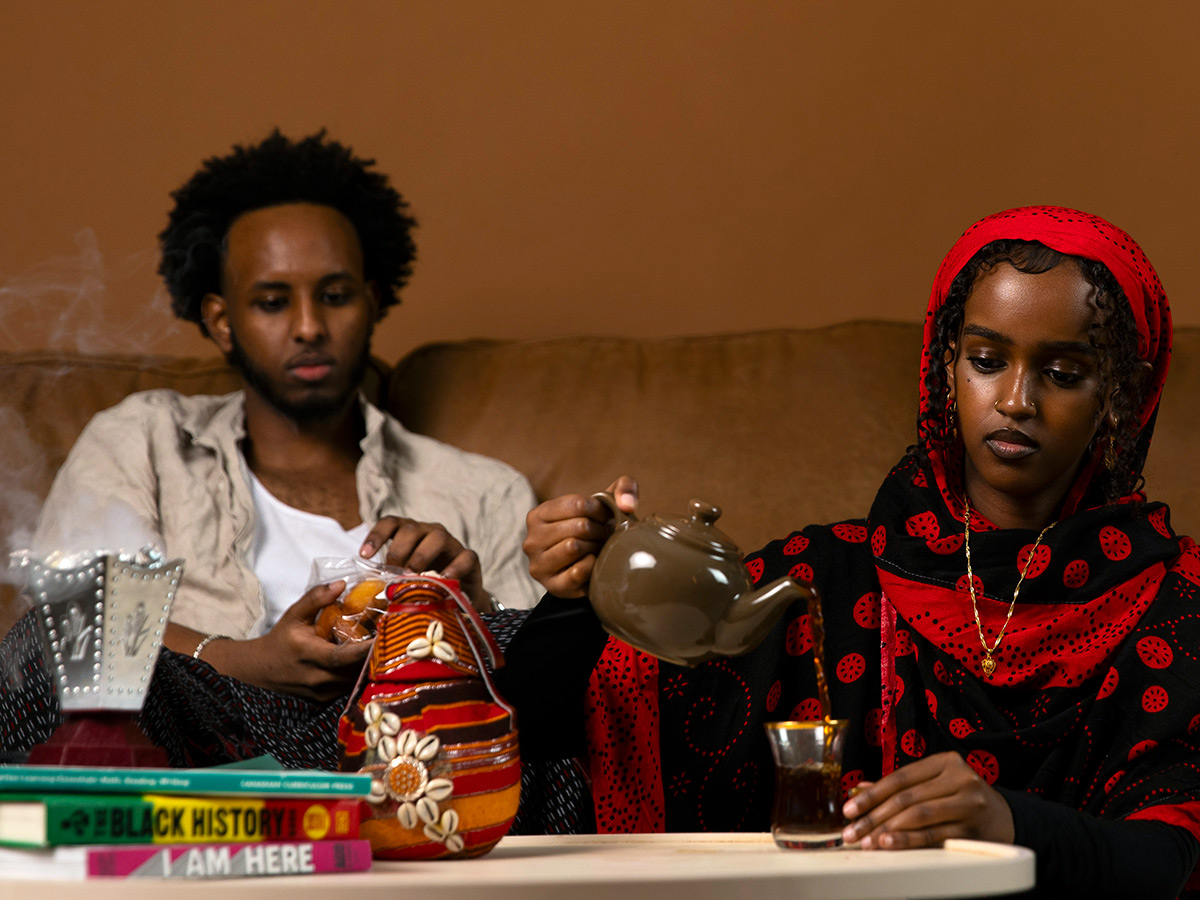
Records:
x=313, y=408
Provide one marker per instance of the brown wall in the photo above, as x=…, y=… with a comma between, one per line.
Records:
x=622, y=168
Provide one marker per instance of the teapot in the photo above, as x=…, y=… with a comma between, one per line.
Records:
x=678, y=589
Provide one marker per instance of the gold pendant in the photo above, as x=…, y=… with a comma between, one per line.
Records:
x=988, y=665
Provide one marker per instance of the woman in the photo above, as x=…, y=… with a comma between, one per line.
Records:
x=1028, y=610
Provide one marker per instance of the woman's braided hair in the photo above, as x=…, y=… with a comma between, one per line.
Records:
x=1113, y=334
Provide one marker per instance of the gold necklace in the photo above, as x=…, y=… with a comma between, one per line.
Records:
x=987, y=663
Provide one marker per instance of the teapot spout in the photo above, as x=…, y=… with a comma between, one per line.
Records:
x=753, y=614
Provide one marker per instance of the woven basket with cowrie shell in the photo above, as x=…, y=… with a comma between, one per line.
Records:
x=427, y=724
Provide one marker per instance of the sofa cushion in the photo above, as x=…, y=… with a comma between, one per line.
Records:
x=54, y=395
x=780, y=428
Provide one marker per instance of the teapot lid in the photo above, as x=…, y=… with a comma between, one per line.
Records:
x=699, y=529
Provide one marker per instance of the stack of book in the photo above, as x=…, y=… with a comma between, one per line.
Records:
x=224, y=822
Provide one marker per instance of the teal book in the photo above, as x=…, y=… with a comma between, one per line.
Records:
x=244, y=778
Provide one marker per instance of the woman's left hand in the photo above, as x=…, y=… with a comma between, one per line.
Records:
x=924, y=803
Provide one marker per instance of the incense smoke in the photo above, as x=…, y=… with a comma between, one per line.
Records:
x=66, y=303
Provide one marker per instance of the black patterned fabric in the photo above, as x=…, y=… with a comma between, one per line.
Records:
x=28, y=708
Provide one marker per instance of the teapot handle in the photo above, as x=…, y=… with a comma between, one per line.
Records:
x=620, y=517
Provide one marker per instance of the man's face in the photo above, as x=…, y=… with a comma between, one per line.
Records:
x=295, y=315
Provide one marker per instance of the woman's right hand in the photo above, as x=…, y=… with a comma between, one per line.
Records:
x=924, y=803
x=564, y=535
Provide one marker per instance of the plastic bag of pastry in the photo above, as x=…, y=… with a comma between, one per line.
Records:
x=425, y=721
x=355, y=613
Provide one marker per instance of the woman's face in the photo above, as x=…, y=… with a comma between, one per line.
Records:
x=1027, y=381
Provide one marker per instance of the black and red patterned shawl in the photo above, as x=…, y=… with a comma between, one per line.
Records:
x=1095, y=701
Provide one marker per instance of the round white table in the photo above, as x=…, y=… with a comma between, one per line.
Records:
x=626, y=867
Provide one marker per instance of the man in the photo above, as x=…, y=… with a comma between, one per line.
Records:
x=286, y=254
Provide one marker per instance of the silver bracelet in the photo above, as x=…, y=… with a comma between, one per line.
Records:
x=208, y=640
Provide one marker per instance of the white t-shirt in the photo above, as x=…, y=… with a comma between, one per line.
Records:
x=286, y=541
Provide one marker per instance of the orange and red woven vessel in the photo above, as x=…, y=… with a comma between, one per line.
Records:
x=427, y=724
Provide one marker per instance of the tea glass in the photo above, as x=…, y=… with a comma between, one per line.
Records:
x=808, y=783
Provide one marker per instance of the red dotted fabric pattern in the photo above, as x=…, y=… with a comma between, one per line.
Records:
x=622, y=722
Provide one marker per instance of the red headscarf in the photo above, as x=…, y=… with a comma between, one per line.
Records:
x=1079, y=234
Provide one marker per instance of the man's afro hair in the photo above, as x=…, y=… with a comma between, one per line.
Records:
x=273, y=172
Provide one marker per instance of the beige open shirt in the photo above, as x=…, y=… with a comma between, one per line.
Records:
x=171, y=462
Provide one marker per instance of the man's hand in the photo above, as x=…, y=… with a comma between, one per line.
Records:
x=564, y=535
x=926, y=802
x=289, y=658
x=428, y=546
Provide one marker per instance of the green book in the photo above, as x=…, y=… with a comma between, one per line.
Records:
x=50, y=820
x=229, y=780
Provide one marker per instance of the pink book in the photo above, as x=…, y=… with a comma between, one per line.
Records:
x=187, y=860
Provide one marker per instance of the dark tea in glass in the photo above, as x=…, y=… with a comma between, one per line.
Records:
x=808, y=783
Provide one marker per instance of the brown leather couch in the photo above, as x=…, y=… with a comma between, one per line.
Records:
x=779, y=428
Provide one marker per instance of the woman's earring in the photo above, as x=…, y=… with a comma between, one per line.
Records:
x=1110, y=454
x=952, y=415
